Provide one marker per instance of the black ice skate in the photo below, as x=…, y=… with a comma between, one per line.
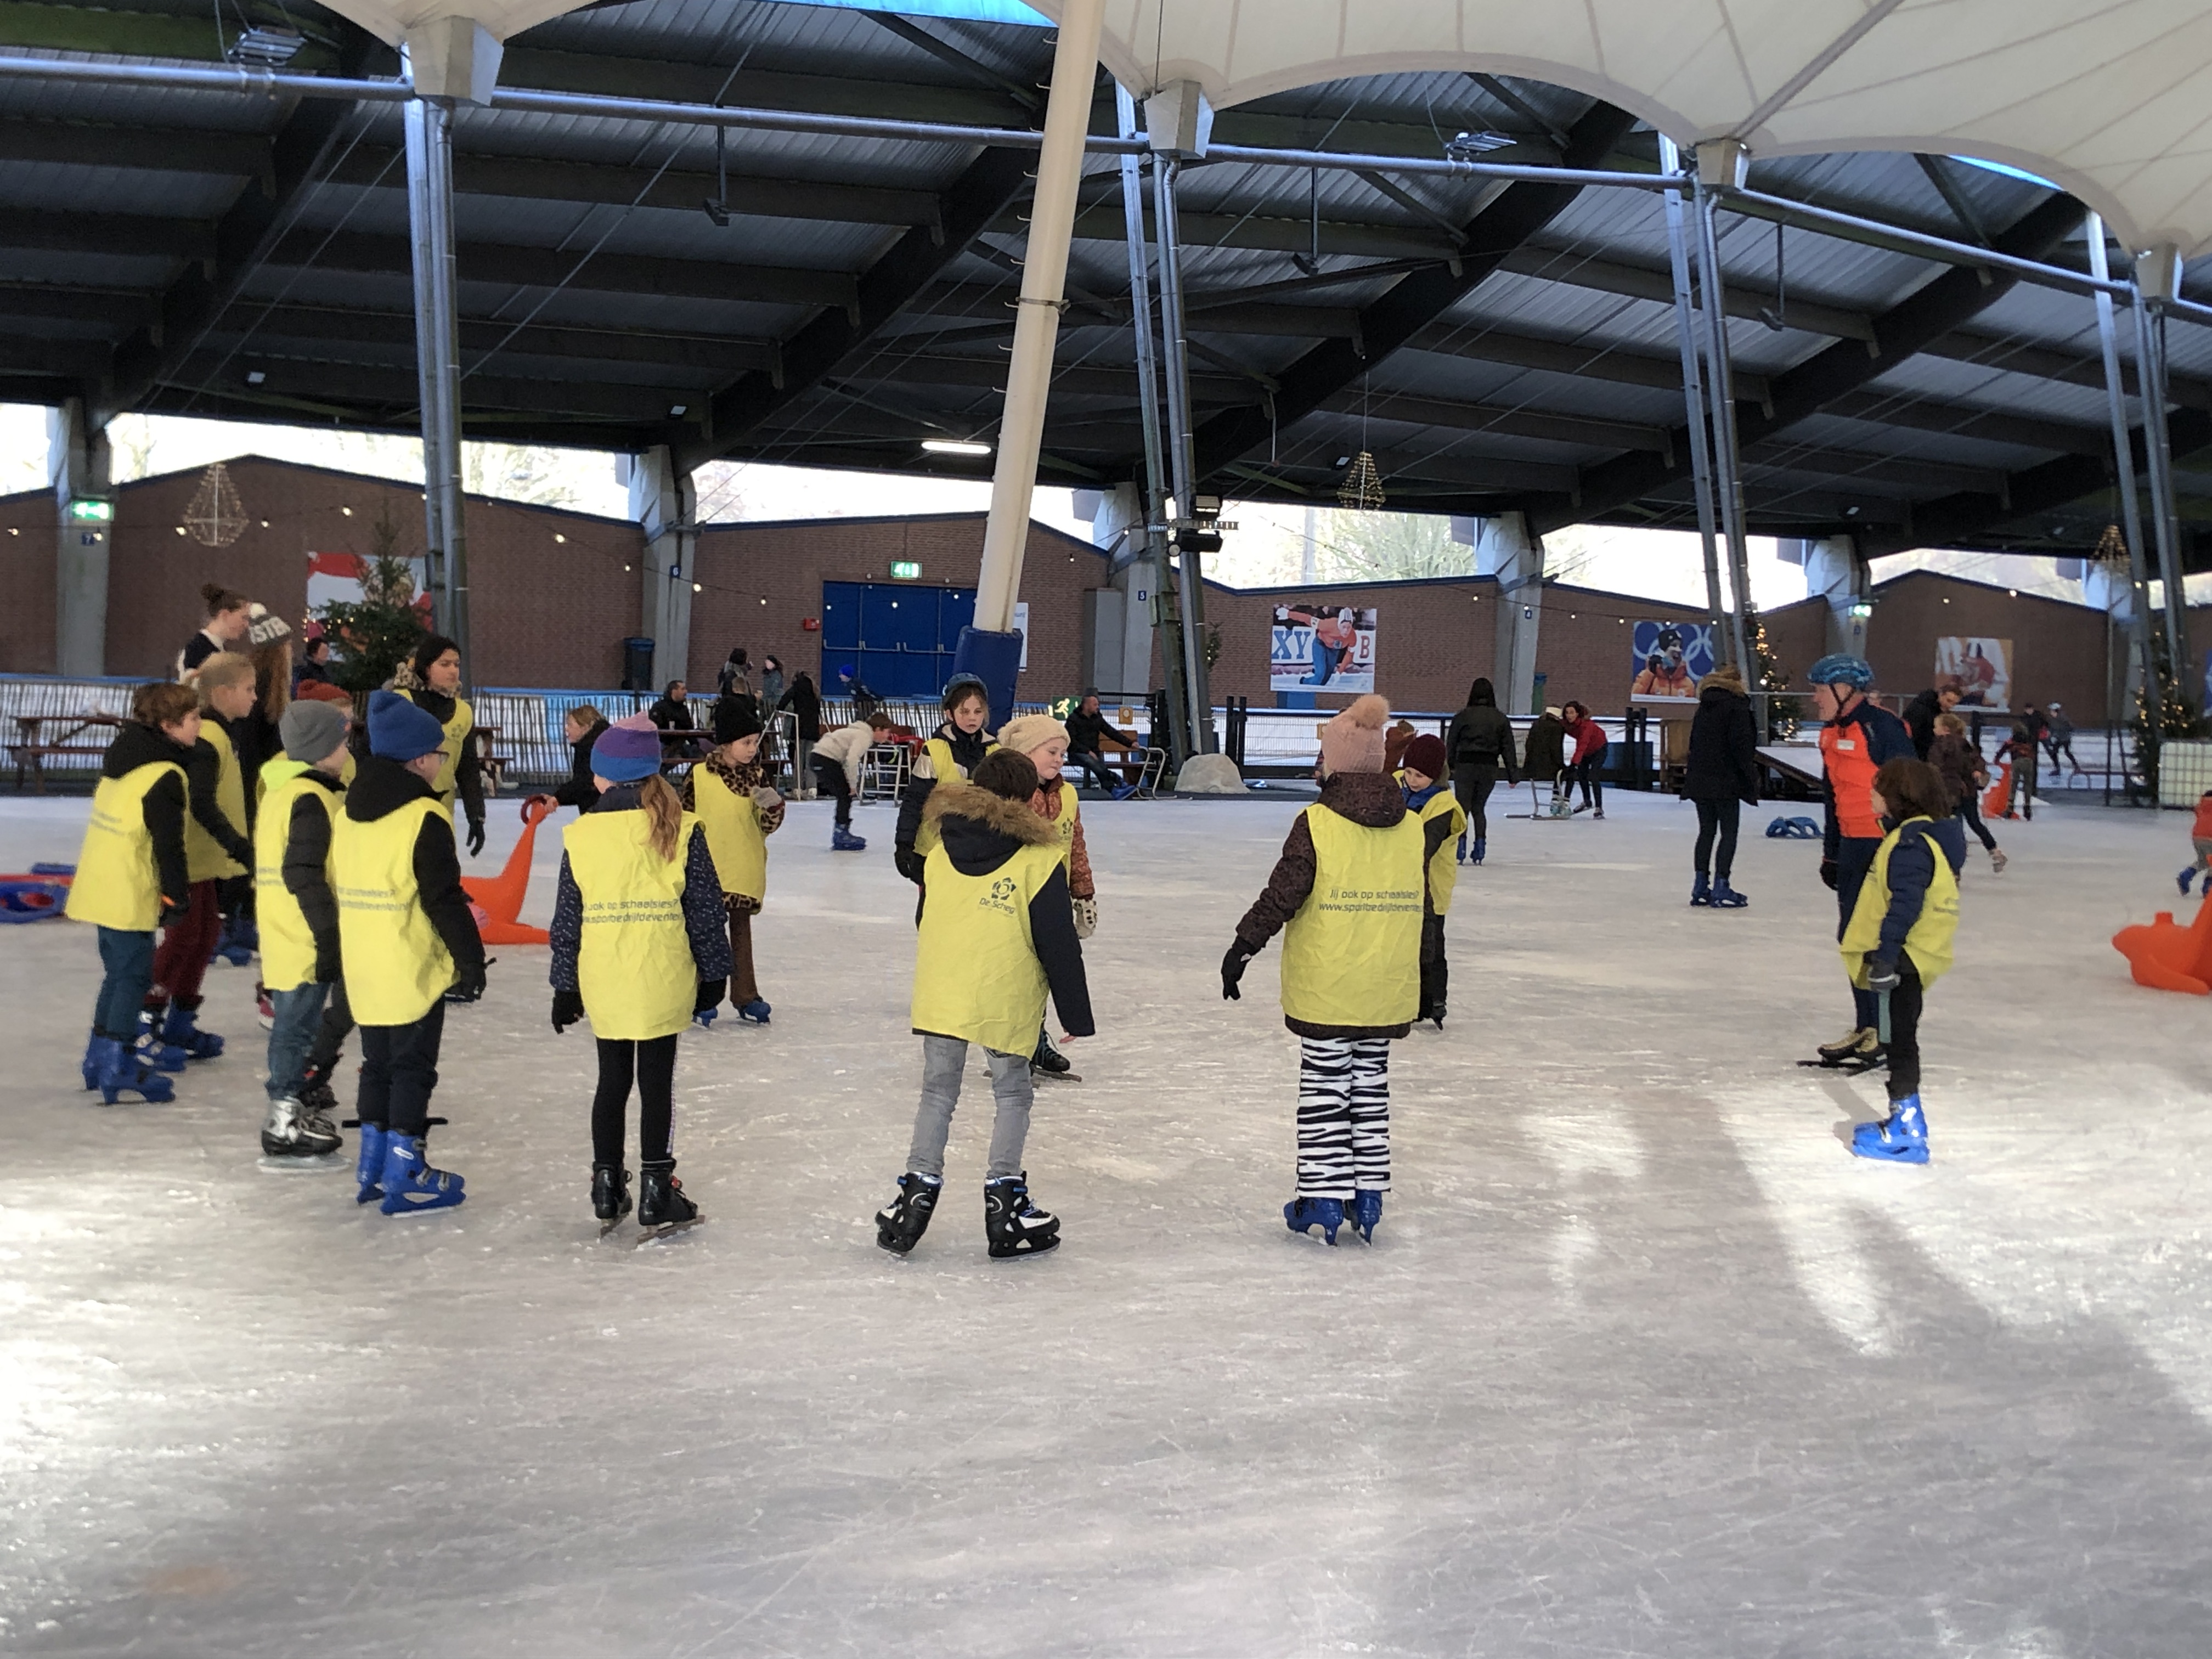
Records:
x=662, y=1208
x=901, y=1222
x=1013, y=1225
x=610, y=1196
x=290, y=1134
x=1049, y=1063
x=1861, y=1050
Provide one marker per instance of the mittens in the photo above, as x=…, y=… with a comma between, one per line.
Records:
x=1086, y=917
x=567, y=1009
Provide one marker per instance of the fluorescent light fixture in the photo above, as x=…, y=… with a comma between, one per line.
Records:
x=954, y=447
x=265, y=46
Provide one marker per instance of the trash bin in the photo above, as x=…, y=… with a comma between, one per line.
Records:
x=637, y=665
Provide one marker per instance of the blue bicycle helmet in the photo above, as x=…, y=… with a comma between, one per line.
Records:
x=1838, y=668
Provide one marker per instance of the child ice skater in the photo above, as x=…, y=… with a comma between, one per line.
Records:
x=2200, y=838
x=1444, y=821
x=739, y=810
x=1899, y=940
x=1044, y=740
x=638, y=946
x=1348, y=890
x=1960, y=764
x=130, y=879
x=406, y=938
x=836, y=760
x=299, y=917
x=952, y=755
x=997, y=930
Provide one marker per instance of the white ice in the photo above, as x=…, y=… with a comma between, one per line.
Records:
x=1642, y=1363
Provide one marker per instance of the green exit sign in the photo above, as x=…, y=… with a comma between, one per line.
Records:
x=92, y=509
x=905, y=570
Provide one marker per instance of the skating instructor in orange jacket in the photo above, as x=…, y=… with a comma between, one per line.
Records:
x=1856, y=738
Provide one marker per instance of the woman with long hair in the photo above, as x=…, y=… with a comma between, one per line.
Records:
x=1479, y=749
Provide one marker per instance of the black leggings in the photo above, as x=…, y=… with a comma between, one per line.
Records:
x=1723, y=818
x=1585, y=772
x=1905, y=1030
x=1473, y=784
x=652, y=1063
x=1971, y=810
x=830, y=779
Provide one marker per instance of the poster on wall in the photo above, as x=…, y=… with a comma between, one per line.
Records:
x=1668, y=659
x=1980, y=668
x=1313, y=647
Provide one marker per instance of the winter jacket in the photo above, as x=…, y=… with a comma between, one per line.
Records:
x=253, y=737
x=203, y=771
x=1920, y=722
x=847, y=746
x=670, y=715
x=805, y=704
x=703, y=904
x=1480, y=735
x=980, y=832
x=1912, y=869
x=579, y=791
x=468, y=769
x=1090, y=734
x=968, y=749
x=1546, y=754
x=306, y=866
x=1962, y=770
x=772, y=688
x=163, y=808
x=380, y=788
x=1886, y=739
x=1589, y=739
x=1370, y=799
x=1723, y=749
x=2202, y=826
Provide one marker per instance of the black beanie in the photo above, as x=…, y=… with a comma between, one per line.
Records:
x=735, y=716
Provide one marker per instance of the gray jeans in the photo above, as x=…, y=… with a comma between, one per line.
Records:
x=299, y=1013
x=943, y=1058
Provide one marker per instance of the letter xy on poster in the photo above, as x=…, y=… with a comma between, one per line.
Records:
x=1668, y=659
x=1980, y=668
x=1314, y=647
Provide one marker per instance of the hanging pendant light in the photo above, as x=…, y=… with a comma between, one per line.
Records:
x=1362, y=489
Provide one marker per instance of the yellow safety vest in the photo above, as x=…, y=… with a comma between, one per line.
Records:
x=733, y=835
x=1070, y=807
x=975, y=970
x=204, y=859
x=941, y=766
x=1351, y=955
x=396, y=966
x=1929, y=941
x=118, y=881
x=634, y=966
x=457, y=729
x=1443, y=865
x=287, y=943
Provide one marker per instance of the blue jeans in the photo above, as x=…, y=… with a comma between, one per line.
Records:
x=129, y=959
x=299, y=1013
x=1094, y=769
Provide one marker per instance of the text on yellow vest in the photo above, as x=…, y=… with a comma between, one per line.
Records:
x=204, y=859
x=1929, y=941
x=1071, y=807
x=1351, y=954
x=634, y=966
x=942, y=769
x=287, y=943
x=734, y=834
x=395, y=964
x=975, y=970
x=118, y=883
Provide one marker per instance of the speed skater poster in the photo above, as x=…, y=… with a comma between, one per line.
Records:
x=1314, y=647
x=1668, y=659
x=1979, y=667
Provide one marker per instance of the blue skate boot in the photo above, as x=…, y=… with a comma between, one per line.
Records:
x=1462, y=849
x=755, y=1012
x=1365, y=1215
x=410, y=1185
x=704, y=1018
x=121, y=1070
x=2188, y=876
x=91, y=1065
x=842, y=839
x=1900, y=1137
x=240, y=939
x=368, y=1170
x=1725, y=897
x=161, y=1055
x=181, y=1030
x=1481, y=847
x=1701, y=891
x=1302, y=1215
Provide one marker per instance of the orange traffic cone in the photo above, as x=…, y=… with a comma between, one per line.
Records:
x=498, y=899
x=1995, y=802
x=2167, y=956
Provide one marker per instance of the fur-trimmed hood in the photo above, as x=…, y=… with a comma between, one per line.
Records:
x=981, y=830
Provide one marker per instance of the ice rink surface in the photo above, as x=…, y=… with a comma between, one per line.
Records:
x=1642, y=1362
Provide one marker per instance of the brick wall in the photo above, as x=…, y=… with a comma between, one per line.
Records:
x=2058, y=650
x=27, y=583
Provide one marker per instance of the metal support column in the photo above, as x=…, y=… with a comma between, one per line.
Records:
x=2123, y=476
x=1167, y=614
x=77, y=461
x=1191, y=574
x=1693, y=387
x=2150, y=369
x=429, y=130
x=1720, y=393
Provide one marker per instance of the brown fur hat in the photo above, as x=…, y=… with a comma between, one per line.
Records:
x=957, y=798
x=1353, y=740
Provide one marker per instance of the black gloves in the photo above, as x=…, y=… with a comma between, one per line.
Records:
x=476, y=836
x=909, y=864
x=327, y=963
x=711, y=992
x=1829, y=875
x=468, y=986
x=567, y=1009
x=1232, y=970
x=1881, y=976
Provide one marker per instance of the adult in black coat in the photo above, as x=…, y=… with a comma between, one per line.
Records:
x=1722, y=779
x=1920, y=714
x=805, y=705
x=1479, y=749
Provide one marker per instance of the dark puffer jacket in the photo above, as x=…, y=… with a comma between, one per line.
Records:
x=1723, y=749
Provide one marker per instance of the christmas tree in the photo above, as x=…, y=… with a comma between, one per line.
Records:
x=371, y=637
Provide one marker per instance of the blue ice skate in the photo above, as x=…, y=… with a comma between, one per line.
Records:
x=1725, y=897
x=161, y=1055
x=181, y=1030
x=1701, y=891
x=368, y=1170
x=1125, y=791
x=1900, y=1137
x=1366, y=1214
x=410, y=1185
x=240, y=940
x=755, y=1012
x=1302, y=1215
x=1481, y=847
x=1461, y=856
x=842, y=839
x=704, y=1018
x=121, y=1071
x=90, y=1068
x=2186, y=877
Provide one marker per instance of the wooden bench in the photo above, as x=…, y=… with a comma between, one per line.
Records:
x=34, y=747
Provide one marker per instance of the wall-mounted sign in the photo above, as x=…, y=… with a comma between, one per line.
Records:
x=906, y=570
x=92, y=509
x=810, y=624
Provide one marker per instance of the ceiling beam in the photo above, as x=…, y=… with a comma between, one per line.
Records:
x=1418, y=299
x=395, y=388
x=839, y=333
x=305, y=329
x=1575, y=268
x=141, y=148
x=136, y=235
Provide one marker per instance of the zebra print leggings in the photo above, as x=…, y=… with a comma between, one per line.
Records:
x=1344, y=1116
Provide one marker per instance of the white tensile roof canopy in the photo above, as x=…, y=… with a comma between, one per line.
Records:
x=2110, y=101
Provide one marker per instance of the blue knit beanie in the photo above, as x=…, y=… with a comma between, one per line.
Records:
x=627, y=752
x=399, y=731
